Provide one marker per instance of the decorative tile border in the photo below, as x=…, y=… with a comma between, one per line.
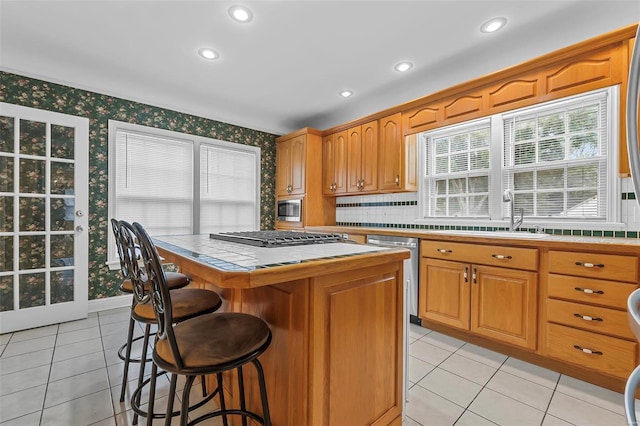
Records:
x=570, y=232
x=379, y=204
x=628, y=195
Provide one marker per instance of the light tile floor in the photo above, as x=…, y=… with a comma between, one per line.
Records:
x=456, y=383
x=69, y=374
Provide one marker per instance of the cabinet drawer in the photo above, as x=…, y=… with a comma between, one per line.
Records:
x=508, y=257
x=590, y=318
x=599, y=292
x=614, y=356
x=594, y=265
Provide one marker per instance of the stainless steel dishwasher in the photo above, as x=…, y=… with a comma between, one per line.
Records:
x=410, y=272
x=410, y=269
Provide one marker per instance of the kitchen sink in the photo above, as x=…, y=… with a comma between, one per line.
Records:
x=495, y=234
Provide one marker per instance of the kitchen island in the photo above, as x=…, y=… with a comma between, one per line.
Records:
x=336, y=314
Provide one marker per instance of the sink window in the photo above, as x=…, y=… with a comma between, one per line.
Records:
x=559, y=159
x=457, y=170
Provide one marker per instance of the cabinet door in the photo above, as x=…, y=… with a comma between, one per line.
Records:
x=340, y=163
x=354, y=159
x=298, y=158
x=444, y=294
x=334, y=164
x=328, y=161
x=391, y=155
x=369, y=165
x=504, y=305
x=283, y=167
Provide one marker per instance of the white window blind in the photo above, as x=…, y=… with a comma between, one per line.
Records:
x=227, y=189
x=154, y=184
x=555, y=158
x=457, y=178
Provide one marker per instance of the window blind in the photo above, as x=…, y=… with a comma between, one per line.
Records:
x=555, y=159
x=227, y=189
x=457, y=178
x=154, y=184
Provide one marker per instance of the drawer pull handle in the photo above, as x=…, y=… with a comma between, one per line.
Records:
x=587, y=317
x=588, y=290
x=501, y=256
x=466, y=274
x=443, y=251
x=590, y=265
x=587, y=351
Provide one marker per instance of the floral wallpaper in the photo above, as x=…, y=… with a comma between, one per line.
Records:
x=29, y=92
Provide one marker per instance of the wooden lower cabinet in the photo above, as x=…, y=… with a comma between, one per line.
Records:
x=498, y=303
x=585, y=318
x=444, y=293
x=504, y=305
x=612, y=356
x=337, y=351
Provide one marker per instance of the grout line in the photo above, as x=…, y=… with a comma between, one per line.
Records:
x=46, y=389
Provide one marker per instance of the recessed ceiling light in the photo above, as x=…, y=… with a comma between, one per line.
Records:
x=208, y=53
x=403, y=66
x=241, y=13
x=493, y=25
x=345, y=93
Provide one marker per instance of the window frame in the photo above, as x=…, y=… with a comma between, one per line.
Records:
x=497, y=218
x=196, y=143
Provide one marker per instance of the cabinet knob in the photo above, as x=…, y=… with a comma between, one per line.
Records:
x=397, y=180
x=588, y=290
x=587, y=351
x=590, y=265
x=587, y=317
x=501, y=256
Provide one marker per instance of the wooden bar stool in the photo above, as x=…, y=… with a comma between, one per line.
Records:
x=207, y=344
x=189, y=302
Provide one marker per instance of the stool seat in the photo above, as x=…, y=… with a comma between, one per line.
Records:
x=213, y=340
x=174, y=280
x=186, y=302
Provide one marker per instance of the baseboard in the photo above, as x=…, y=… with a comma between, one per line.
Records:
x=97, y=305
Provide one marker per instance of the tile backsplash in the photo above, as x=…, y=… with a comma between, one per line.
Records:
x=401, y=211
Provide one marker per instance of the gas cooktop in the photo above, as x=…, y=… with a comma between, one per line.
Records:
x=277, y=238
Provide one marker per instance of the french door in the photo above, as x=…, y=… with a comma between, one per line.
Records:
x=43, y=217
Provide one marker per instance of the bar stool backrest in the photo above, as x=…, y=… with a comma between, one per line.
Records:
x=129, y=265
x=159, y=291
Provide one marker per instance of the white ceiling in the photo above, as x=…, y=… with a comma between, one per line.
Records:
x=284, y=70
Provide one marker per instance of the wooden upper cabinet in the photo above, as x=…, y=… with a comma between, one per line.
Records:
x=334, y=175
x=290, y=166
x=390, y=153
x=422, y=118
x=362, y=158
x=396, y=157
x=584, y=73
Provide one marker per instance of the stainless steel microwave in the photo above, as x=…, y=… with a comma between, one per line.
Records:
x=289, y=210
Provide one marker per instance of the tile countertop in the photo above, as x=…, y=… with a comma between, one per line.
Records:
x=228, y=256
x=501, y=237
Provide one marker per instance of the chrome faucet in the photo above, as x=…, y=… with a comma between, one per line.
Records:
x=514, y=224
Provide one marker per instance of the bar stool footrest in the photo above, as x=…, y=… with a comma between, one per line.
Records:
x=123, y=348
x=140, y=412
